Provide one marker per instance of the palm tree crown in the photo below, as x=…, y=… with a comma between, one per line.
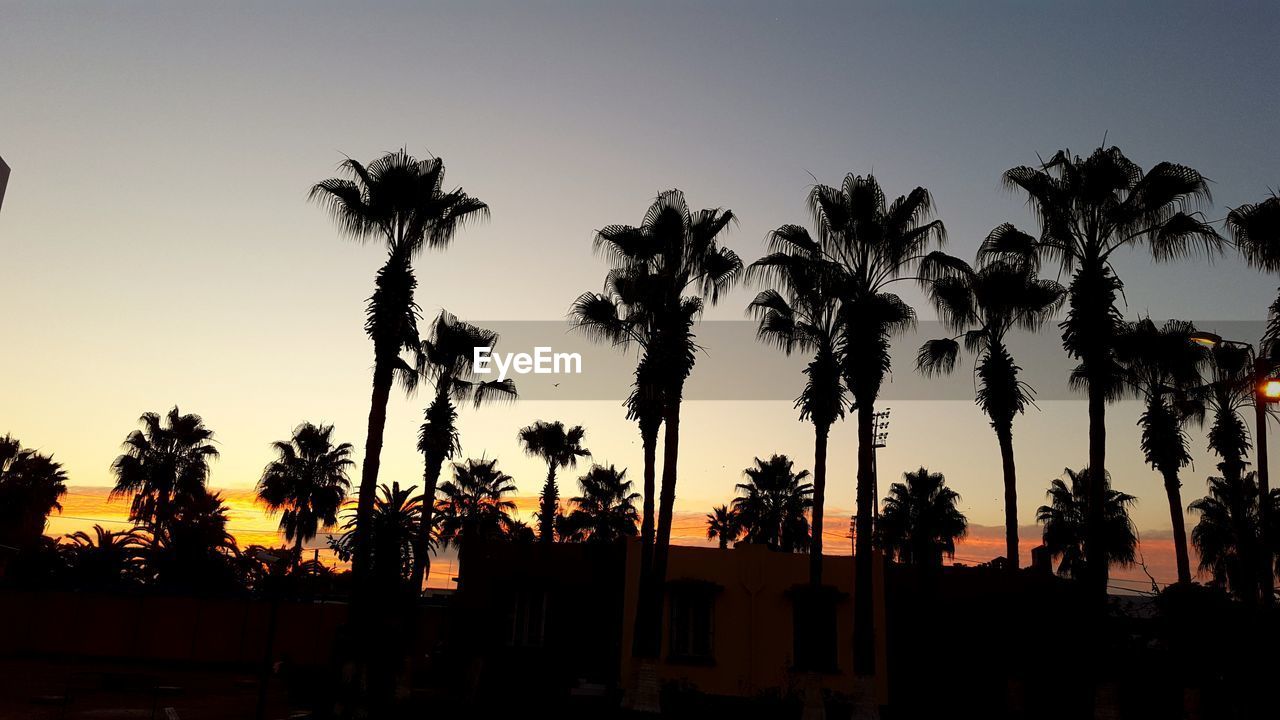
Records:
x=605, y=512
x=164, y=464
x=307, y=481
x=920, y=522
x=771, y=506
x=558, y=447
x=1065, y=518
x=31, y=485
x=723, y=525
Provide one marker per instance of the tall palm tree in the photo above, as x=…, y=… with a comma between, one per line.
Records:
x=558, y=447
x=920, y=521
x=605, y=512
x=1228, y=536
x=802, y=314
x=164, y=464
x=1065, y=521
x=445, y=360
x=672, y=252
x=31, y=485
x=722, y=525
x=473, y=507
x=307, y=481
x=983, y=306
x=393, y=527
x=1163, y=365
x=1088, y=209
x=399, y=201
x=772, y=504
x=869, y=243
x=107, y=559
x=1229, y=392
x=1255, y=230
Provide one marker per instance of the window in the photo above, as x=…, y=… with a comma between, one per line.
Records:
x=529, y=618
x=814, y=627
x=692, y=636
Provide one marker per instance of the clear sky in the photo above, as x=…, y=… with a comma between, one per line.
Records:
x=157, y=247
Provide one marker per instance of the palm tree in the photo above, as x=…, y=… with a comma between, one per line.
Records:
x=1229, y=391
x=722, y=525
x=920, y=521
x=605, y=512
x=444, y=359
x=394, y=528
x=473, y=507
x=1088, y=209
x=673, y=252
x=1255, y=229
x=399, y=201
x=1065, y=521
x=558, y=447
x=164, y=464
x=868, y=243
x=308, y=481
x=193, y=550
x=31, y=484
x=107, y=559
x=983, y=306
x=771, y=507
x=1163, y=365
x=802, y=314
x=1228, y=536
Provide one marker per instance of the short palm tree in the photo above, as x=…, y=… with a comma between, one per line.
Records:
x=164, y=464
x=869, y=243
x=1090, y=208
x=983, y=306
x=1228, y=536
x=1065, y=521
x=31, y=485
x=771, y=506
x=801, y=314
x=920, y=521
x=473, y=507
x=444, y=359
x=722, y=525
x=605, y=512
x=193, y=550
x=399, y=202
x=107, y=559
x=306, y=483
x=394, y=530
x=664, y=271
x=558, y=447
x=1163, y=365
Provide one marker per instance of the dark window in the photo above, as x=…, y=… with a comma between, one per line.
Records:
x=814, y=625
x=692, y=625
x=529, y=618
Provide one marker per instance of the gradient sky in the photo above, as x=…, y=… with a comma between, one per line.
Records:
x=158, y=249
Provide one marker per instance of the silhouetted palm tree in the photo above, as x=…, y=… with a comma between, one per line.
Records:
x=1065, y=524
x=445, y=360
x=1255, y=229
x=1088, y=209
x=673, y=252
x=605, y=512
x=869, y=243
x=164, y=464
x=1229, y=391
x=307, y=481
x=802, y=314
x=558, y=447
x=400, y=202
x=771, y=507
x=983, y=306
x=1163, y=366
x=1228, y=536
x=31, y=484
x=920, y=521
x=394, y=526
x=107, y=559
x=473, y=507
x=193, y=550
x=722, y=525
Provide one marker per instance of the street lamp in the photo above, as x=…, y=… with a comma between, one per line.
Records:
x=1266, y=389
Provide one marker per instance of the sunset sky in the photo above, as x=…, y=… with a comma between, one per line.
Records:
x=158, y=247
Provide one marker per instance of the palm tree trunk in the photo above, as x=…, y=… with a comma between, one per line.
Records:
x=820, y=432
x=666, y=505
x=1173, y=487
x=547, y=508
x=1004, y=433
x=382, y=376
x=640, y=629
x=422, y=544
x=864, y=657
x=1096, y=563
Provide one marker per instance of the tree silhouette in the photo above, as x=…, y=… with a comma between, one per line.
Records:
x=107, y=560
x=722, y=525
x=1228, y=536
x=31, y=485
x=771, y=506
x=445, y=360
x=1229, y=391
x=164, y=465
x=193, y=551
x=1255, y=229
x=1065, y=521
x=920, y=521
x=1088, y=209
x=306, y=483
x=393, y=528
x=605, y=512
x=399, y=201
x=1163, y=365
x=473, y=507
x=558, y=447
x=674, y=251
x=983, y=306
